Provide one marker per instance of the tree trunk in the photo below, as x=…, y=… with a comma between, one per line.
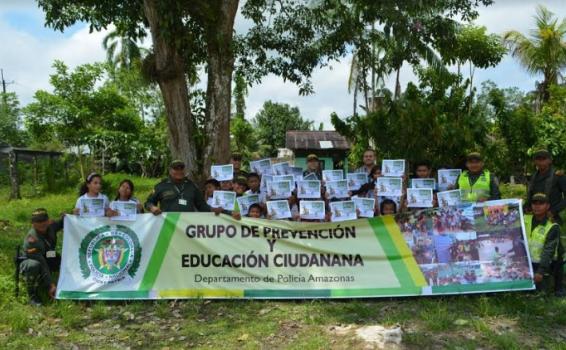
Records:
x=397, y=84
x=219, y=40
x=170, y=75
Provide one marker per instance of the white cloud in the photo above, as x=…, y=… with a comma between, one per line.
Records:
x=28, y=52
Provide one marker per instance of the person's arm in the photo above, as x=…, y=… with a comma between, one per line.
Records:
x=152, y=201
x=548, y=251
x=58, y=224
x=494, y=189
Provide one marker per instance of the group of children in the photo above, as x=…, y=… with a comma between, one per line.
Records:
x=261, y=181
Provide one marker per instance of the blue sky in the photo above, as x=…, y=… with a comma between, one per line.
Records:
x=28, y=50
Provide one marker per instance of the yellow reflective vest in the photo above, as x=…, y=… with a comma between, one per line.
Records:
x=536, y=237
x=479, y=190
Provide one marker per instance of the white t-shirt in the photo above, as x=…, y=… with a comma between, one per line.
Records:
x=92, y=206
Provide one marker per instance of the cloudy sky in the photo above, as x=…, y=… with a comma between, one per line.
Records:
x=28, y=49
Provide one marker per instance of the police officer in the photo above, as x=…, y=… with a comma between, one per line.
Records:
x=176, y=193
x=477, y=184
x=40, y=257
x=545, y=246
x=548, y=181
x=313, y=167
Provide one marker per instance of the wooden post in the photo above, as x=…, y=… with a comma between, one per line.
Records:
x=34, y=175
x=13, y=166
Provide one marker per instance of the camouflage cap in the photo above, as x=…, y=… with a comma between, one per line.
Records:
x=474, y=156
x=39, y=215
x=540, y=198
x=312, y=157
x=176, y=164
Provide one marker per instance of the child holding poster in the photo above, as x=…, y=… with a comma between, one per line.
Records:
x=254, y=183
x=91, y=202
x=210, y=186
x=125, y=206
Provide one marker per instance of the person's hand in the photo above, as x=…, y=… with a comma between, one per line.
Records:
x=358, y=212
x=155, y=210
x=52, y=291
x=217, y=211
x=62, y=215
x=110, y=213
x=538, y=278
x=236, y=215
x=76, y=211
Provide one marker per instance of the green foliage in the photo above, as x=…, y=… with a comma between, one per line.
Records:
x=274, y=120
x=551, y=125
x=10, y=120
x=474, y=45
x=544, y=52
x=434, y=121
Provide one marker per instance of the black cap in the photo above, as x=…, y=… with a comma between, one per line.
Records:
x=39, y=215
x=213, y=182
x=236, y=156
x=177, y=164
x=542, y=154
x=474, y=156
x=540, y=198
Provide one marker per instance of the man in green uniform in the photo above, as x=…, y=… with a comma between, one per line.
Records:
x=477, y=184
x=176, y=193
x=545, y=246
x=40, y=257
x=548, y=181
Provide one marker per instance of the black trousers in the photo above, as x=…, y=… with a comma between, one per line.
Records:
x=556, y=278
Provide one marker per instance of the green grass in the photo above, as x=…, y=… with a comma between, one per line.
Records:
x=495, y=321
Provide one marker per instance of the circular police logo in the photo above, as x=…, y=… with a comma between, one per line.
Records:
x=109, y=254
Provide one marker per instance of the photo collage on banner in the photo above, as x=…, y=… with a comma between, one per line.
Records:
x=468, y=244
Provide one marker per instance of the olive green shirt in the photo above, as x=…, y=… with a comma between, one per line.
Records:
x=177, y=197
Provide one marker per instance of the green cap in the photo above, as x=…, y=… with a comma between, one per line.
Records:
x=39, y=215
x=177, y=164
x=540, y=197
x=542, y=154
x=241, y=180
x=312, y=157
x=474, y=156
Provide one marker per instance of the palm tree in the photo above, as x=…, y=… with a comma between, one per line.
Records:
x=121, y=51
x=544, y=52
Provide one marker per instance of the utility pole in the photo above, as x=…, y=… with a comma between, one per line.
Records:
x=4, y=82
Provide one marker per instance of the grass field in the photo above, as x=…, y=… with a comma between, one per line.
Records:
x=495, y=321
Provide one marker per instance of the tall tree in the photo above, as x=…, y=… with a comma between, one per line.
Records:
x=10, y=120
x=544, y=52
x=288, y=38
x=272, y=122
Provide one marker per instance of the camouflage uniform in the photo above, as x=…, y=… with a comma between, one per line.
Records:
x=40, y=259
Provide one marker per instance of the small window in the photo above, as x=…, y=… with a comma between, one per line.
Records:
x=325, y=144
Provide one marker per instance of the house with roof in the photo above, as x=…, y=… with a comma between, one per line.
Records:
x=331, y=148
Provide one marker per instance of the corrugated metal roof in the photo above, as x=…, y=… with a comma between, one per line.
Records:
x=310, y=140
